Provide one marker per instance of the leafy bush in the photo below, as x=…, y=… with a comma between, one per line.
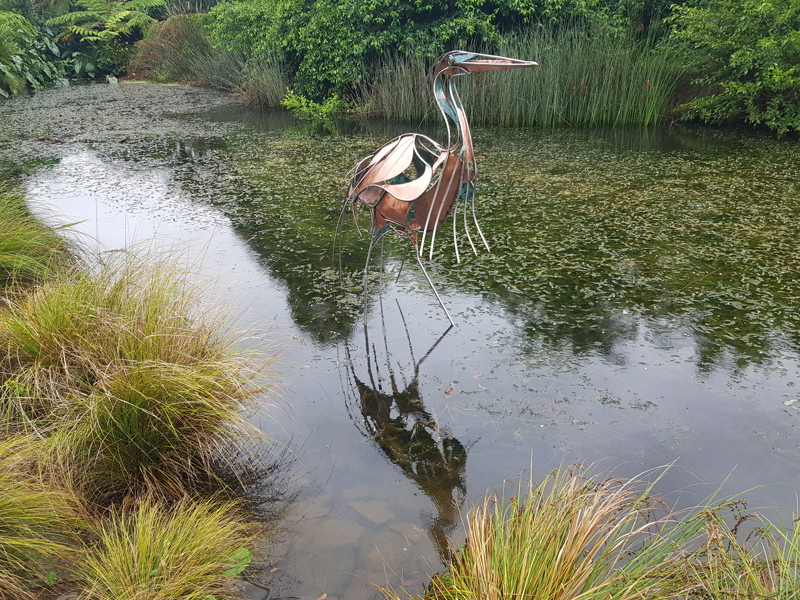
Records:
x=307, y=110
x=329, y=45
x=27, y=60
x=749, y=51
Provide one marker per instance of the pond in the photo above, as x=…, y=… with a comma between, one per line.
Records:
x=639, y=307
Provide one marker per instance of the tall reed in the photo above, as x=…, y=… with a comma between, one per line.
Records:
x=179, y=50
x=744, y=556
x=584, y=79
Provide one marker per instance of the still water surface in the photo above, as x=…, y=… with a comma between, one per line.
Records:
x=639, y=306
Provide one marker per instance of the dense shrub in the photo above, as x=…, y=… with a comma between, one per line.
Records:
x=26, y=56
x=749, y=51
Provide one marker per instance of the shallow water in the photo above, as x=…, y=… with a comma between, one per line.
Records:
x=639, y=305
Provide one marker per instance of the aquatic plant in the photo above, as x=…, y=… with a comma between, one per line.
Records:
x=34, y=521
x=143, y=389
x=187, y=551
x=28, y=250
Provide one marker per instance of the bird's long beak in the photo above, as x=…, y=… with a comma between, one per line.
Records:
x=478, y=63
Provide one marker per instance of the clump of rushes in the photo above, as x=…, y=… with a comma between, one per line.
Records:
x=34, y=522
x=28, y=250
x=188, y=551
x=572, y=536
x=144, y=391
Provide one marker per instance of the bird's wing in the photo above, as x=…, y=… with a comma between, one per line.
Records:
x=388, y=162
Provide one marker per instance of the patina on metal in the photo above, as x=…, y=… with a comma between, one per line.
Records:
x=411, y=184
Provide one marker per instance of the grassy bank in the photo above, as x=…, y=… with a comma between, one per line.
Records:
x=121, y=422
x=28, y=251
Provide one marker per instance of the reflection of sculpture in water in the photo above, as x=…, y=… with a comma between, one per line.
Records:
x=411, y=184
x=396, y=420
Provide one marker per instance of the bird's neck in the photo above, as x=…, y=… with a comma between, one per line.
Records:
x=454, y=115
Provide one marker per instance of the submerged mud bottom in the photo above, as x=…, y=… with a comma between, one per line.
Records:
x=638, y=306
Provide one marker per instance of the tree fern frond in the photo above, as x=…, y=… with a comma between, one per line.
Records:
x=117, y=17
x=99, y=7
x=141, y=4
x=84, y=32
x=68, y=18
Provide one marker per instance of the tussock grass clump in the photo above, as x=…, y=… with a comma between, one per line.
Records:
x=28, y=250
x=188, y=551
x=180, y=50
x=167, y=54
x=34, y=521
x=578, y=536
x=144, y=390
x=572, y=536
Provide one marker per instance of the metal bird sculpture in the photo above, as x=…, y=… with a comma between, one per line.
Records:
x=412, y=183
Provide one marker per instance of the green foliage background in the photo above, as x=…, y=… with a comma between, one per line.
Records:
x=330, y=46
x=742, y=55
x=749, y=51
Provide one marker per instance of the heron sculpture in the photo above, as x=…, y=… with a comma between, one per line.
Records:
x=412, y=183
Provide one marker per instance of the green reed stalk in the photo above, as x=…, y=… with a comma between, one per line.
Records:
x=584, y=79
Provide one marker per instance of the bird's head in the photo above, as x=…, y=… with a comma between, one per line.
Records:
x=459, y=62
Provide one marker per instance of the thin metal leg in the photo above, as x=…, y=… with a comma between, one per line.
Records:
x=466, y=226
x=337, y=238
x=402, y=264
x=475, y=219
x=455, y=235
x=366, y=270
x=430, y=283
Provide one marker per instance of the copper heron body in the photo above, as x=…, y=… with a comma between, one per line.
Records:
x=412, y=183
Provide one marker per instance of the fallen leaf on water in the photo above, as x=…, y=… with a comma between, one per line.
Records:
x=322, y=597
x=476, y=375
x=448, y=392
